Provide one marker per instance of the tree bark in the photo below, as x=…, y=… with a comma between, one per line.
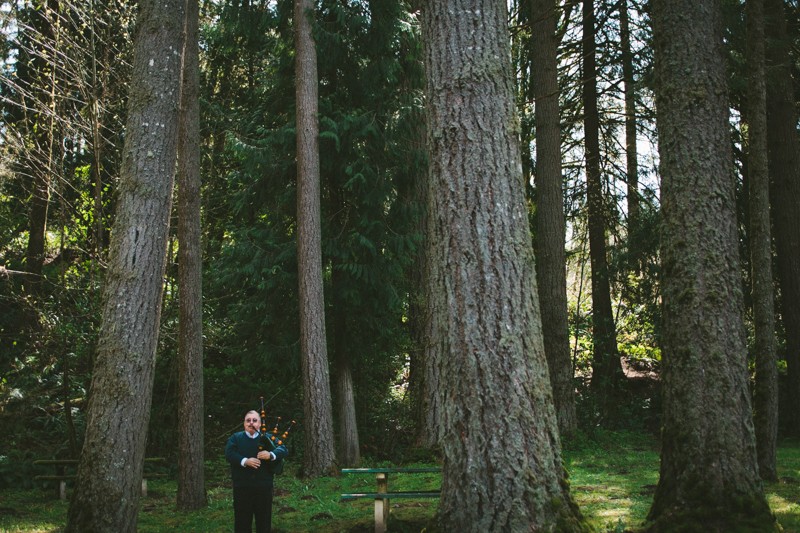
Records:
x=709, y=472
x=42, y=145
x=766, y=386
x=413, y=192
x=550, y=220
x=98, y=143
x=494, y=387
x=631, y=151
x=37, y=219
x=191, y=477
x=606, y=367
x=784, y=169
x=319, y=455
x=106, y=496
x=420, y=390
x=349, y=443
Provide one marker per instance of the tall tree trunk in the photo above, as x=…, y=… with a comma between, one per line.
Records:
x=191, y=477
x=106, y=497
x=97, y=143
x=709, y=472
x=494, y=385
x=606, y=367
x=766, y=386
x=319, y=455
x=348, y=445
x=44, y=22
x=784, y=169
x=550, y=220
x=37, y=219
x=631, y=152
x=69, y=421
x=421, y=390
x=422, y=374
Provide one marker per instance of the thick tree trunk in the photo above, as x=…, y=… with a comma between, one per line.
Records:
x=550, y=220
x=319, y=455
x=766, y=387
x=191, y=476
x=784, y=169
x=606, y=367
x=107, y=493
x=499, y=436
x=709, y=473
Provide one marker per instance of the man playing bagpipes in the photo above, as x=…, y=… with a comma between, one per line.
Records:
x=255, y=457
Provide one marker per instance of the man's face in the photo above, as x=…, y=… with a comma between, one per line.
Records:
x=252, y=422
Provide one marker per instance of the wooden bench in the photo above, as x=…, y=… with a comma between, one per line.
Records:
x=62, y=476
x=382, y=496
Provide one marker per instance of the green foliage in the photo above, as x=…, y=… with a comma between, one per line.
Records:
x=634, y=266
x=16, y=469
x=371, y=160
x=48, y=323
x=368, y=222
x=46, y=365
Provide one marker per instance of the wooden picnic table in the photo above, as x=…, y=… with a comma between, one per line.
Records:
x=64, y=471
x=382, y=495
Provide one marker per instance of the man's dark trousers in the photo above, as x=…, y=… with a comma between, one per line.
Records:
x=249, y=502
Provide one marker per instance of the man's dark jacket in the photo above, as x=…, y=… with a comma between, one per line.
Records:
x=239, y=446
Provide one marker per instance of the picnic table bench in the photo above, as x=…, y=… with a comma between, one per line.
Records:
x=64, y=471
x=382, y=496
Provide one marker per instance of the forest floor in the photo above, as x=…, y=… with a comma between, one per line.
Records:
x=612, y=474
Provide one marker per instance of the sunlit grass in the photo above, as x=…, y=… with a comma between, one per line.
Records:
x=612, y=477
x=784, y=495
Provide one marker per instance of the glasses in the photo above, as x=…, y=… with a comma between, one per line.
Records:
x=251, y=419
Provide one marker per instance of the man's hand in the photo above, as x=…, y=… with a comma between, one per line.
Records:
x=265, y=455
x=252, y=462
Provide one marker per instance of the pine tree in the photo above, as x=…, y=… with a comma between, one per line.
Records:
x=551, y=229
x=709, y=473
x=191, y=463
x=110, y=471
x=486, y=340
x=319, y=457
x=606, y=367
x=766, y=386
x=784, y=169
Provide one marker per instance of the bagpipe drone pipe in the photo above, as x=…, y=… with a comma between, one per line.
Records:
x=270, y=440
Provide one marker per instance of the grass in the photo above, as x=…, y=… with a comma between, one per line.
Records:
x=612, y=476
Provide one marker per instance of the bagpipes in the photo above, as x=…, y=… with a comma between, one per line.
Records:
x=272, y=439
